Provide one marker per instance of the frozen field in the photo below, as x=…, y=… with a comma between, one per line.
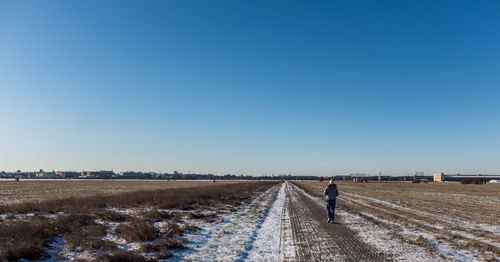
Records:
x=262, y=221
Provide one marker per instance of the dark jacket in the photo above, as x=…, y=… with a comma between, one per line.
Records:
x=331, y=192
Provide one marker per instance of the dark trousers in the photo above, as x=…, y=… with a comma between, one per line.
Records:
x=330, y=209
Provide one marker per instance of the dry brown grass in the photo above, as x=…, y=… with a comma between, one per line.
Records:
x=89, y=239
x=112, y=216
x=162, y=248
x=198, y=215
x=137, y=230
x=179, y=198
x=156, y=215
x=120, y=256
x=24, y=239
x=29, y=238
x=42, y=190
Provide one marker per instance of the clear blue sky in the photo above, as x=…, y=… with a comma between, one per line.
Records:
x=253, y=87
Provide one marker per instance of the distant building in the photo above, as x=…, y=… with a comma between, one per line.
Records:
x=67, y=174
x=48, y=175
x=439, y=177
x=140, y=175
x=131, y=175
x=98, y=174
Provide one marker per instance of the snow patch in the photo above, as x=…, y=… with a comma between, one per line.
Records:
x=267, y=242
x=231, y=239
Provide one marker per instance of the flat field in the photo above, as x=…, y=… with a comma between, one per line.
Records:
x=248, y=221
x=452, y=220
x=117, y=220
x=41, y=190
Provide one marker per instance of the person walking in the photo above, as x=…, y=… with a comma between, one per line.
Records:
x=331, y=193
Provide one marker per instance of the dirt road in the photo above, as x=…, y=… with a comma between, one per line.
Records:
x=316, y=240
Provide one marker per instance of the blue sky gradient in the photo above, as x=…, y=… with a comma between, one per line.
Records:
x=252, y=87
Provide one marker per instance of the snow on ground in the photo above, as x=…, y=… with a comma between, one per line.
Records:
x=287, y=247
x=232, y=239
x=440, y=247
x=54, y=248
x=266, y=246
x=384, y=239
x=445, y=249
x=494, y=229
x=68, y=255
x=381, y=238
x=261, y=231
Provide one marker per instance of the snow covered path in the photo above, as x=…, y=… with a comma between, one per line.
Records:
x=266, y=246
x=236, y=239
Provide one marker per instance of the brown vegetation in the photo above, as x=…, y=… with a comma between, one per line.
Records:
x=22, y=239
x=29, y=237
x=179, y=198
x=137, y=230
x=120, y=256
x=156, y=215
x=112, y=216
x=42, y=190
